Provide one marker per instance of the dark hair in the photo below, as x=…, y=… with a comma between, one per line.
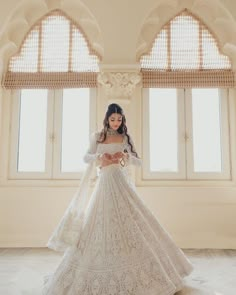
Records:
x=115, y=108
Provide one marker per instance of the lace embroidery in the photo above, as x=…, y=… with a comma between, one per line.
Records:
x=121, y=248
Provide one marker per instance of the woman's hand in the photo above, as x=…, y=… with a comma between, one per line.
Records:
x=106, y=156
x=118, y=155
x=121, y=155
x=108, y=159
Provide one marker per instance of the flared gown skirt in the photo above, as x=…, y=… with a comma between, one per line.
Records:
x=122, y=248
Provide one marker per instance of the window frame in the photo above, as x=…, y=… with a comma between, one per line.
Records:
x=58, y=122
x=147, y=174
x=225, y=139
x=186, y=174
x=52, y=156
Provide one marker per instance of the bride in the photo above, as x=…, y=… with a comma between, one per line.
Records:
x=112, y=243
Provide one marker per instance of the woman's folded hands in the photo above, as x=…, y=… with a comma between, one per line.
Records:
x=108, y=159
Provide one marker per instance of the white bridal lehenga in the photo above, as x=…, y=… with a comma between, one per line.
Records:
x=113, y=244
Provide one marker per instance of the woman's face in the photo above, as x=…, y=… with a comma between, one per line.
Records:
x=115, y=120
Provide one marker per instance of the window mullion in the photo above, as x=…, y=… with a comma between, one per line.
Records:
x=58, y=172
x=147, y=173
x=146, y=134
x=15, y=124
x=57, y=127
x=15, y=135
x=93, y=110
x=49, y=148
x=224, y=140
x=181, y=134
x=188, y=135
x=225, y=131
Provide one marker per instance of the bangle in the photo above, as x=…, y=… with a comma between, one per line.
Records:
x=99, y=156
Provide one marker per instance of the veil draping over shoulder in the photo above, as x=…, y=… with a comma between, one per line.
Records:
x=67, y=232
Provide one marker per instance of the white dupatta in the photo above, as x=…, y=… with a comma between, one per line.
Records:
x=67, y=232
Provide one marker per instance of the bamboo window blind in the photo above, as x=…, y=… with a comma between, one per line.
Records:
x=185, y=54
x=54, y=54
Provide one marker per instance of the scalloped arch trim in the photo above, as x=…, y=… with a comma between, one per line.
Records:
x=211, y=12
x=28, y=13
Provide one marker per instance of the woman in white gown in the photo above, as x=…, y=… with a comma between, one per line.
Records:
x=112, y=243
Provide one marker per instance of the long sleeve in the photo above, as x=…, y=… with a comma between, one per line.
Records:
x=91, y=154
x=132, y=158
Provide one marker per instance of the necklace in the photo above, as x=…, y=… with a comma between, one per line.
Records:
x=111, y=131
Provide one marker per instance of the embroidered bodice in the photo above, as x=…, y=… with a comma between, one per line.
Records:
x=96, y=149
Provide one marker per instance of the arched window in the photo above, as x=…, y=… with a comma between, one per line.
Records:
x=185, y=99
x=54, y=54
x=186, y=54
x=54, y=79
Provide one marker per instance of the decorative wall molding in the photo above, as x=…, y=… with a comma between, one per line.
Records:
x=28, y=12
x=119, y=85
x=105, y=67
x=211, y=12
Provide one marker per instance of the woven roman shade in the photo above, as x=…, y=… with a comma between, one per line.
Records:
x=54, y=54
x=185, y=54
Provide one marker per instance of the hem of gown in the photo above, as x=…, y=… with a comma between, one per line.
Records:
x=173, y=284
x=188, y=270
x=64, y=247
x=59, y=246
x=55, y=247
x=170, y=291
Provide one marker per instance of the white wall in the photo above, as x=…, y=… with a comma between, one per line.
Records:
x=198, y=215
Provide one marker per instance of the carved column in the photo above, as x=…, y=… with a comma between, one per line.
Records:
x=119, y=85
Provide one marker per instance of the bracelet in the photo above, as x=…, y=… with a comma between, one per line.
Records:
x=99, y=156
x=122, y=162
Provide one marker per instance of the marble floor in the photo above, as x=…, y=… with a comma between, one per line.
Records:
x=22, y=271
